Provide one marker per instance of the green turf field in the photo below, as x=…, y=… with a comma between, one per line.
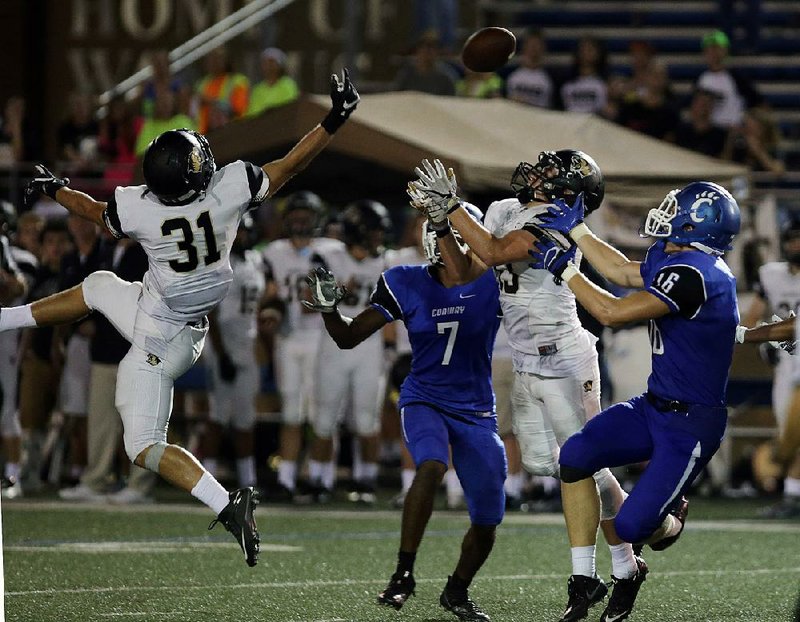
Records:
x=65, y=563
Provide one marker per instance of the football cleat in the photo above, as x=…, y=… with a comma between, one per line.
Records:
x=362, y=493
x=623, y=594
x=584, y=592
x=461, y=606
x=786, y=508
x=400, y=589
x=680, y=511
x=237, y=517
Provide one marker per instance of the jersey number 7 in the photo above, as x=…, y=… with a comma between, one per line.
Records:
x=441, y=328
x=187, y=243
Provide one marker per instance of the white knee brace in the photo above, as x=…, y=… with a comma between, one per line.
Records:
x=611, y=494
x=153, y=457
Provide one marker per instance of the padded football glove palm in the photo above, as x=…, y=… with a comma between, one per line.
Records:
x=325, y=293
x=552, y=257
x=562, y=217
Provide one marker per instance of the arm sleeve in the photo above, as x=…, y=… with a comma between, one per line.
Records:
x=384, y=301
x=258, y=182
x=681, y=287
x=111, y=218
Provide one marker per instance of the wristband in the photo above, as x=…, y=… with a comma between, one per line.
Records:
x=333, y=121
x=453, y=204
x=578, y=231
x=569, y=272
x=740, y=331
x=440, y=233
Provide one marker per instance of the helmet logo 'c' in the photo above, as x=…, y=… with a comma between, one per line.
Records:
x=704, y=198
x=195, y=161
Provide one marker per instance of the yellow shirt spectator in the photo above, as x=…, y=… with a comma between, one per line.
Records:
x=153, y=127
x=276, y=88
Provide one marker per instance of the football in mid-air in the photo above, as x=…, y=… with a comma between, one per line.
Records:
x=488, y=49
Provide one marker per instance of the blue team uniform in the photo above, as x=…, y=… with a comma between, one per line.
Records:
x=447, y=401
x=679, y=423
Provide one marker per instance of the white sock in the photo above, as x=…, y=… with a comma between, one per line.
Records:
x=623, y=564
x=407, y=476
x=791, y=487
x=453, y=486
x=12, y=470
x=210, y=491
x=550, y=485
x=513, y=485
x=16, y=317
x=287, y=474
x=211, y=465
x=315, y=472
x=369, y=473
x=328, y=475
x=246, y=468
x=583, y=560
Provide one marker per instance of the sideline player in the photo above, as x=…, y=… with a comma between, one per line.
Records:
x=445, y=402
x=233, y=370
x=688, y=295
x=778, y=295
x=185, y=218
x=557, y=379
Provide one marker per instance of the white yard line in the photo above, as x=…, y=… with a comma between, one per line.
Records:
x=141, y=547
x=344, y=582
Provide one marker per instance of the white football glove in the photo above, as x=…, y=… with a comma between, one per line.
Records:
x=440, y=186
x=325, y=293
x=428, y=206
x=790, y=344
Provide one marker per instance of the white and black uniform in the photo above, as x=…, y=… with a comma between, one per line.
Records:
x=780, y=289
x=21, y=263
x=297, y=341
x=189, y=273
x=556, y=386
x=354, y=376
x=234, y=401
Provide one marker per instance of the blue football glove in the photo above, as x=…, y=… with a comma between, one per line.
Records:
x=562, y=217
x=552, y=257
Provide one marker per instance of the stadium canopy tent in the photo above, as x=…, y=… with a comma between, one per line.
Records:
x=483, y=140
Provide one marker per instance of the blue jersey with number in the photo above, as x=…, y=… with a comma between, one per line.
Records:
x=451, y=330
x=693, y=344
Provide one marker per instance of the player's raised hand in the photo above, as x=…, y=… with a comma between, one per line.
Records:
x=562, y=217
x=344, y=99
x=437, y=182
x=435, y=210
x=325, y=292
x=548, y=255
x=44, y=182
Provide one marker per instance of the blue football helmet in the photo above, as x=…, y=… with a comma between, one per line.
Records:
x=430, y=243
x=702, y=214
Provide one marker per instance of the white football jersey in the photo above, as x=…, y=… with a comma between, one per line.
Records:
x=781, y=289
x=288, y=267
x=406, y=256
x=359, y=277
x=539, y=316
x=237, y=311
x=188, y=247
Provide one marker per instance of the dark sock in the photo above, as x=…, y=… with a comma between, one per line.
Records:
x=457, y=584
x=405, y=562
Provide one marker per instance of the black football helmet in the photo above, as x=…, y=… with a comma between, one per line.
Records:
x=364, y=223
x=791, y=231
x=297, y=224
x=178, y=166
x=561, y=175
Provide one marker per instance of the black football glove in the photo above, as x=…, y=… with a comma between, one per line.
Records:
x=344, y=99
x=44, y=182
x=227, y=368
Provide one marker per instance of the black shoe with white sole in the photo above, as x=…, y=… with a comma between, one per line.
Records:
x=584, y=592
x=237, y=517
x=460, y=605
x=624, y=593
x=400, y=589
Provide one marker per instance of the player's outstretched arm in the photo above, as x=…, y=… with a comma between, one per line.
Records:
x=57, y=188
x=776, y=331
x=344, y=99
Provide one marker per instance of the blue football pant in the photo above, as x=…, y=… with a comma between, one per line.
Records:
x=479, y=457
x=678, y=446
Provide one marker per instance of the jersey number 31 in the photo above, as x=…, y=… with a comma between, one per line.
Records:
x=187, y=243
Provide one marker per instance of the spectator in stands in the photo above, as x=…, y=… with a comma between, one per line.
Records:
x=651, y=110
x=734, y=94
x=127, y=260
x=18, y=141
x=439, y=17
x=222, y=93
x=617, y=88
x=29, y=232
x=532, y=83
x=39, y=374
x=162, y=79
x=697, y=132
x=755, y=142
x=276, y=88
x=586, y=90
x=164, y=118
x=642, y=54
x=425, y=72
x=118, y=131
x=78, y=135
x=479, y=85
